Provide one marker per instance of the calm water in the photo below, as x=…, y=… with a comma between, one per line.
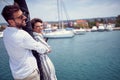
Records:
x=93, y=56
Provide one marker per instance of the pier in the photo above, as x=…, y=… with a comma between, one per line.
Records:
x=116, y=28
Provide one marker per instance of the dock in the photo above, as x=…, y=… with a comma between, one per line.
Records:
x=116, y=28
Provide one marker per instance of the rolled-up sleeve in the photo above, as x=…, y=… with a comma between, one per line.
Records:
x=29, y=43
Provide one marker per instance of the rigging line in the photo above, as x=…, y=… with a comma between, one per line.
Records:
x=65, y=10
x=58, y=8
x=61, y=13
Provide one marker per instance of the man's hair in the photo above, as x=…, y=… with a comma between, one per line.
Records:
x=8, y=11
x=35, y=20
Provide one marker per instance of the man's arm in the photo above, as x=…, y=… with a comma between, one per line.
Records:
x=23, y=6
x=29, y=43
x=28, y=28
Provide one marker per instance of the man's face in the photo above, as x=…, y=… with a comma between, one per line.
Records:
x=19, y=19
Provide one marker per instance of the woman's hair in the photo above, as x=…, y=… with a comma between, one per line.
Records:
x=35, y=20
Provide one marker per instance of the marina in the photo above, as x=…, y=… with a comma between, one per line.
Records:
x=93, y=56
x=85, y=44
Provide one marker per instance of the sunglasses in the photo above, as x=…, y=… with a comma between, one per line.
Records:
x=20, y=17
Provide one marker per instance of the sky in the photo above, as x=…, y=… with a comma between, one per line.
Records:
x=76, y=9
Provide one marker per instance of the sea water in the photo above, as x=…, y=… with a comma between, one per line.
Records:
x=93, y=56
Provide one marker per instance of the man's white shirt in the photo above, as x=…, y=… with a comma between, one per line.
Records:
x=19, y=44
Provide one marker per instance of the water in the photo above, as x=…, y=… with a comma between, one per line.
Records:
x=93, y=56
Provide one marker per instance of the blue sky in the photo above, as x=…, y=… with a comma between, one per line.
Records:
x=76, y=9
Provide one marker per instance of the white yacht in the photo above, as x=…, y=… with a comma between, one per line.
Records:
x=101, y=27
x=59, y=34
x=109, y=27
x=94, y=29
x=79, y=31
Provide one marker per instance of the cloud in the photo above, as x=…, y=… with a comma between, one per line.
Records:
x=90, y=9
x=76, y=9
x=44, y=10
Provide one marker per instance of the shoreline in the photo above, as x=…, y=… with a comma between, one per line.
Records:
x=116, y=28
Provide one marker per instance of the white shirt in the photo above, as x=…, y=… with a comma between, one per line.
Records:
x=19, y=44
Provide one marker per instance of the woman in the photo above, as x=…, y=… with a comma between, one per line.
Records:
x=46, y=64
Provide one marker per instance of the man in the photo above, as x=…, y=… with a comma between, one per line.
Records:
x=23, y=6
x=19, y=44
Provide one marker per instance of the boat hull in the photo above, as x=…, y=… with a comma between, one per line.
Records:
x=59, y=34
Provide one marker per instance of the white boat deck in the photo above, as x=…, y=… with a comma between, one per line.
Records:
x=59, y=34
x=79, y=31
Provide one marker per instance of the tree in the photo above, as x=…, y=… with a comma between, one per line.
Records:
x=2, y=27
x=117, y=21
x=91, y=24
x=101, y=20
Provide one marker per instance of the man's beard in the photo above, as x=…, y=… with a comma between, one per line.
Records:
x=20, y=25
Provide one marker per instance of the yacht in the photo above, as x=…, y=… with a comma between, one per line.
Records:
x=109, y=27
x=62, y=33
x=94, y=29
x=101, y=28
x=79, y=31
x=59, y=33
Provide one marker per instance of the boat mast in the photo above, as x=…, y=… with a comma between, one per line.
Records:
x=61, y=10
x=58, y=8
x=65, y=11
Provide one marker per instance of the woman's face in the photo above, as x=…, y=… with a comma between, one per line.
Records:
x=38, y=27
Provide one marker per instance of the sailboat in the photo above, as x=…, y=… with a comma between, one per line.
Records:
x=109, y=27
x=79, y=31
x=61, y=32
x=101, y=28
x=94, y=29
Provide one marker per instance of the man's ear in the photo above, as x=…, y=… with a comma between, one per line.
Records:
x=11, y=22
